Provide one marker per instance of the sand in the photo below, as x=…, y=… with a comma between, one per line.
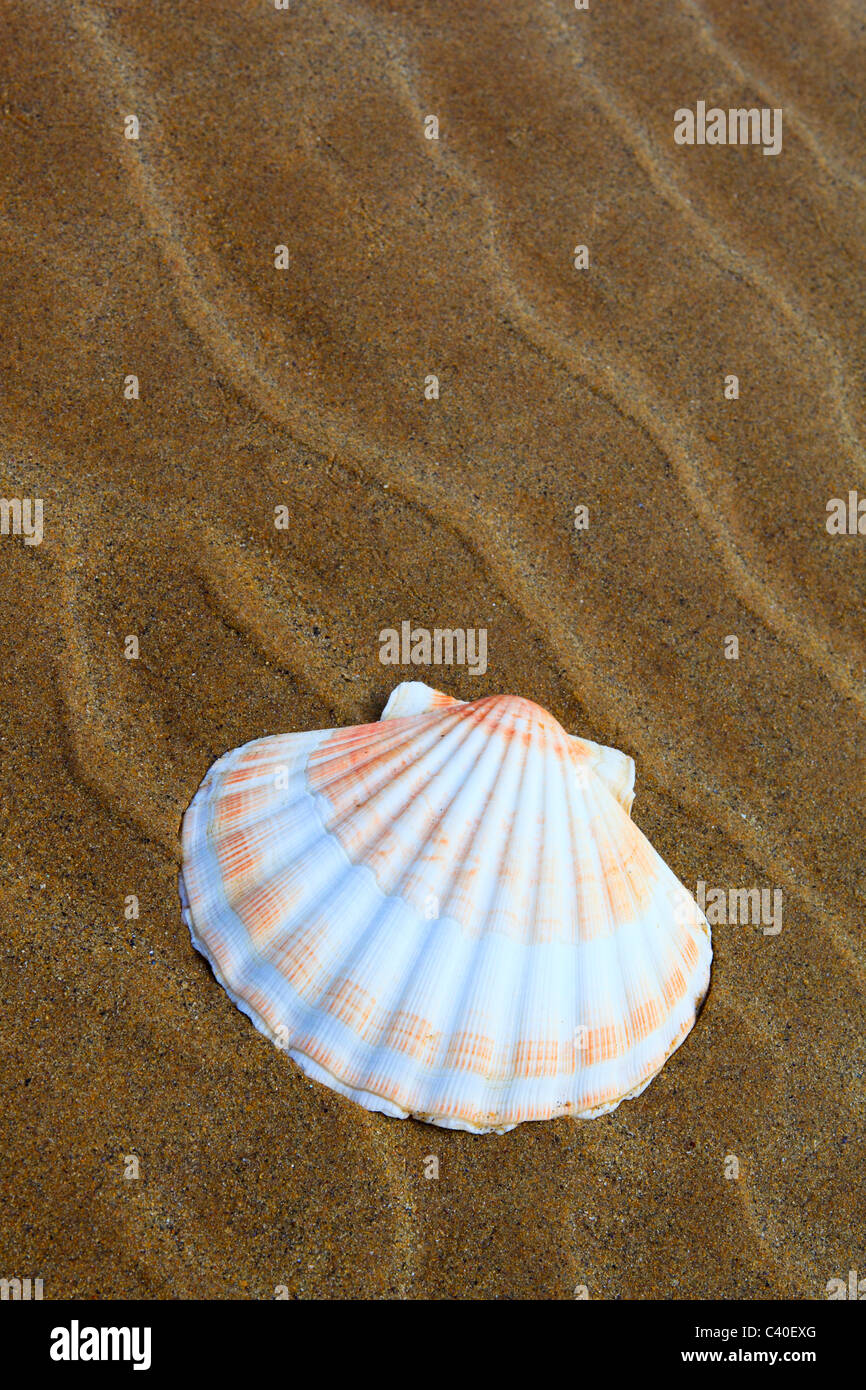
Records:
x=304, y=388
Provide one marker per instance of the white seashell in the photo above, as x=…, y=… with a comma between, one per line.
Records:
x=447, y=914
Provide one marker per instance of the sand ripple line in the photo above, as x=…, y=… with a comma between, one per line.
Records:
x=781, y=1269
x=94, y=760
x=240, y=588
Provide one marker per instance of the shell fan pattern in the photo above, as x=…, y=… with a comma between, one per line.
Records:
x=448, y=914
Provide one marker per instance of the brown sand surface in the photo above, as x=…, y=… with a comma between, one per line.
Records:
x=305, y=388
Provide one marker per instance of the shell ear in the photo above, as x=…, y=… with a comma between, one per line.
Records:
x=614, y=769
x=414, y=697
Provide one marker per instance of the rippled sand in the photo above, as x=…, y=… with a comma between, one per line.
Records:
x=305, y=388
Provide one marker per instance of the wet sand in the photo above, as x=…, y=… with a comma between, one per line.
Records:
x=304, y=388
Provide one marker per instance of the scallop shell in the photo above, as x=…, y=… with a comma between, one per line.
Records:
x=447, y=914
